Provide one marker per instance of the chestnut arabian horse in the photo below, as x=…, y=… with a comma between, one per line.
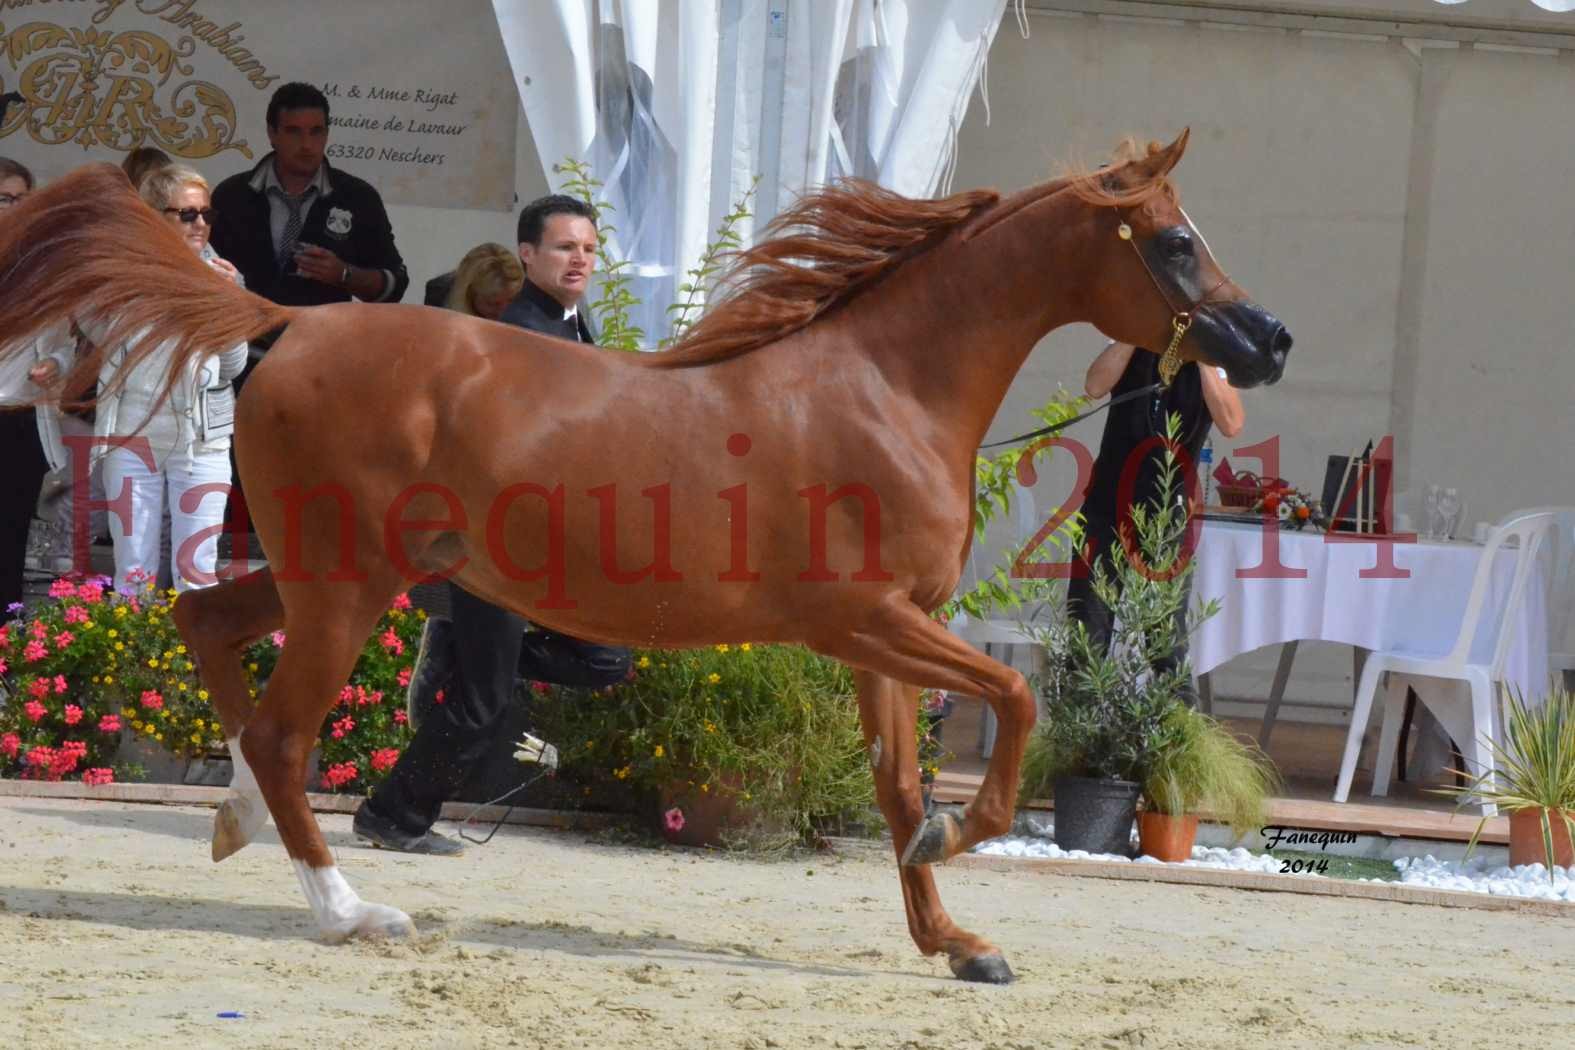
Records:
x=798, y=469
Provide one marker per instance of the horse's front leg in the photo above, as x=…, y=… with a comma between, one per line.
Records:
x=319, y=653
x=889, y=713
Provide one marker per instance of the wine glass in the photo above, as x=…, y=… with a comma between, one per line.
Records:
x=1449, y=511
x=1430, y=510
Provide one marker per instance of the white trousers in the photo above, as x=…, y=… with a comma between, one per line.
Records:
x=193, y=560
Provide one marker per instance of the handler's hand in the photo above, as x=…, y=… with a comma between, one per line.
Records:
x=319, y=264
x=43, y=373
x=226, y=268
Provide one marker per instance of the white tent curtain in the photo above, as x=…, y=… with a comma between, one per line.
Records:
x=680, y=105
x=1547, y=5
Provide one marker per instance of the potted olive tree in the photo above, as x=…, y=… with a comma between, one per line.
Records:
x=1114, y=713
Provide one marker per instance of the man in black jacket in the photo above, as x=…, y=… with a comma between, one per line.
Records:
x=301, y=231
x=475, y=660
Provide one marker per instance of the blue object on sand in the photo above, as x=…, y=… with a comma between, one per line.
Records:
x=232, y=1015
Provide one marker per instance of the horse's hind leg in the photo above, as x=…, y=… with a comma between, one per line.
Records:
x=218, y=623
x=889, y=712
x=324, y=637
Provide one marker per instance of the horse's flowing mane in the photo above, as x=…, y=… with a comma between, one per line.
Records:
x=827, y=246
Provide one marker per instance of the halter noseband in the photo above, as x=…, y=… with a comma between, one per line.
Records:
x=1181, y=319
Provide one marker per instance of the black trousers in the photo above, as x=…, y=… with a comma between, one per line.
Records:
x=20, y=481
x=454, y=736
x=1083, y=605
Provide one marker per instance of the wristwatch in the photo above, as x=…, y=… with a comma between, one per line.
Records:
x=344, y=278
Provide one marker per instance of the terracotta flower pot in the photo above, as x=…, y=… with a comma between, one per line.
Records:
x=1165, y=837
x=1525, y=838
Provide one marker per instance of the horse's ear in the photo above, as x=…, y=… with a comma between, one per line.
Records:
x=1160, y=160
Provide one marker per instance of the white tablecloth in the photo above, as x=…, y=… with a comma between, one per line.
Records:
x=1334, y=603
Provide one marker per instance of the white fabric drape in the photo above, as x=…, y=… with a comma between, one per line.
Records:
x=1559, y=6
x=680, y=105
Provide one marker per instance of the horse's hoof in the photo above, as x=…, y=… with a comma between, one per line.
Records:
x=236, y=823
x=984, y=969
x=933, y=840
x=372, y=922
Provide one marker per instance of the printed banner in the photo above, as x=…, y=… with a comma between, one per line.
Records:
x=422, y=103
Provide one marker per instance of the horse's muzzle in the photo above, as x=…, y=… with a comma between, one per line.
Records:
x=1246, y=340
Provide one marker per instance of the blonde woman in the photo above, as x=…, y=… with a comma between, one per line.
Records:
x=488, y=279
x=181, y=448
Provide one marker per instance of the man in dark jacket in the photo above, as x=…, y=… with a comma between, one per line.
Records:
x=301, y=231
x=475, y=660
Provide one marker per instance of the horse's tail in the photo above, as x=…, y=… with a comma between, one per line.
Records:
x=86, y=250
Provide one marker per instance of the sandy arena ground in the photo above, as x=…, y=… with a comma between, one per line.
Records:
x=117, y=931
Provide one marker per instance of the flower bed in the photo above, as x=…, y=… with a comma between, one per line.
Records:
x=92, y=666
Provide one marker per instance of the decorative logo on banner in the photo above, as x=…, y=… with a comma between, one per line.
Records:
x=425, y=125
x=96, y=87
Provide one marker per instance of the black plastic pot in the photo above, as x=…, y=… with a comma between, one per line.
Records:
x=1095, y=814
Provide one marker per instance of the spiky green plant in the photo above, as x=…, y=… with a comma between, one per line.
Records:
x=1195, y=764
x=1535, y=767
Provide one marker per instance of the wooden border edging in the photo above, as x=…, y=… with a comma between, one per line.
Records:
x=1268, y=883
x=193, y=795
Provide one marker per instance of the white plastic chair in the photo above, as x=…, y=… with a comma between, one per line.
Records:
x=1460, y=693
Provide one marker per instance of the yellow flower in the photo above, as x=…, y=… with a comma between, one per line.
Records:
x=252, y=691
x=109, y=679
x=705, y=787
x=153, y=663
x=659, y=752
x=721, y=648
x=164, y=667
x=713, y=678
x=645, y=661
x=183, y=687
x=88, y=626
x=158, y=736
x=120, y=612
x=421, y=614
x=710, y=727
x=622, y=773
x=198, y=724
x=112, y=633
x=128, y=711
x=95, y=679
x=164, y=714
x=181, y=649
x=136, y=723
x=171, y=592
x=168, y=655
x=202, y=694
x=149, y=729
x=252, y=667
x=120, y=647
x=746, y=647
x=196, y=738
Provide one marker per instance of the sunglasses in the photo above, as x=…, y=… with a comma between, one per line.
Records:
x=189, y=215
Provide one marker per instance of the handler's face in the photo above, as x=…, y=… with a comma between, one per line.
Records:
x=561, y=263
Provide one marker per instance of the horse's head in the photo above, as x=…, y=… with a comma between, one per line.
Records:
x=1167, y=293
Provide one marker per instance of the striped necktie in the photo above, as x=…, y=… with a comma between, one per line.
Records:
x=292, y=225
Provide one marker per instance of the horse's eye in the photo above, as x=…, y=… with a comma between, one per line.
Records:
x=1178, y=244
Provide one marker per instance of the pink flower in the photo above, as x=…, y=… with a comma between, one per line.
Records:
x=34, y=652
x=10, y=744
x=62, y=588
x=346, y=695
x=343, y=726
x=402, y=602
x=404, y=678
x=97, y=776
x=400, y=718
x=392, y=642
x=337, y=775
x=109, y=724
x=3, y=667
x=64, y=638
x=438, y=699
x=541, y=687
x=39, y=630
x=39, y=688
x=278, y=639
x=75, y=614
x=384, y=758
x=60, y=683
x=73, y=714
x=673, y=820
x=152, y=700
x=92, y=593
x=35, y=710
x=5, y=635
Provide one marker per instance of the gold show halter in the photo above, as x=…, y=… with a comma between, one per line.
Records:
x=1181, y=320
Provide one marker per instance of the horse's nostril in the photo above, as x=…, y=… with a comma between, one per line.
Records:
x=1281, y=343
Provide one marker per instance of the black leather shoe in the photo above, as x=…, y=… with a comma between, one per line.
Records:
x=385, y=834
x=433, y=668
